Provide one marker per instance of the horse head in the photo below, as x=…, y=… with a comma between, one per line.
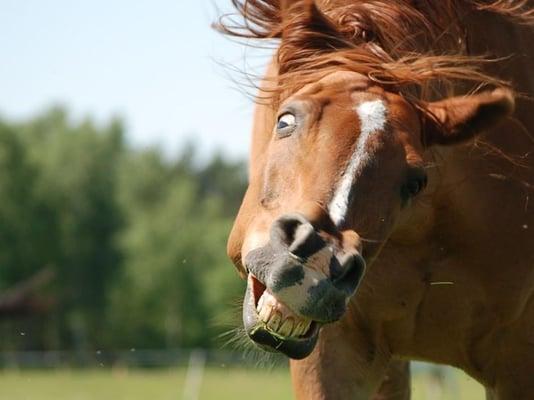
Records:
x=338, y=165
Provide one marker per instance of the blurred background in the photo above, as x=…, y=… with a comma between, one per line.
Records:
x=123, y=147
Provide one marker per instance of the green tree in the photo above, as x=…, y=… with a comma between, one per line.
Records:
x=77, y=172
x=174, y=244
x=137, y=240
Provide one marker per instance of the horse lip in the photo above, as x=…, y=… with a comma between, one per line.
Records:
x=296, y=348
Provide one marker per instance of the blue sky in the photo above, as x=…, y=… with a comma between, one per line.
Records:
x=155, y=63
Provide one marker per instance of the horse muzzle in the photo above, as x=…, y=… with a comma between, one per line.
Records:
x=300, y=280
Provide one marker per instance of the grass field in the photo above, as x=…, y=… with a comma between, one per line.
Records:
x=217, y=383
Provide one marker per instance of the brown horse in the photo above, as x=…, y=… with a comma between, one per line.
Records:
x=388, y=215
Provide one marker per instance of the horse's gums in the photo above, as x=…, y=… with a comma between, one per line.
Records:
x=257, y=288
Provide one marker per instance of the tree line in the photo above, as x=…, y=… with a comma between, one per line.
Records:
x=103, y=245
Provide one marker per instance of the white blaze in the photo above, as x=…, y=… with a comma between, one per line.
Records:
x=372, y=115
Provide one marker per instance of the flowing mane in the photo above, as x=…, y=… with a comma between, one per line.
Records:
x=403, y=43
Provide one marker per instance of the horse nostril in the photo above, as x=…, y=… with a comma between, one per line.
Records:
x=297, y=234
x=306, y=242
x=284, y=228
x=352, y=269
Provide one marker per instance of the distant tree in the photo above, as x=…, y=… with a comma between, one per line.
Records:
x=76, y=164
x=24, y=247
x=224, y=180
x=174, y=244
x=135, y=240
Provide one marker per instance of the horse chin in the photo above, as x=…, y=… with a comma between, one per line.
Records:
x=295, y=347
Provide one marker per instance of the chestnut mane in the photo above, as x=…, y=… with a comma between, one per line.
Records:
x=407, y=44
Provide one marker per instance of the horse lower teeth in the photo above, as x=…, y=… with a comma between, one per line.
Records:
x=275, y=321
x=287, y=327
x=279, y=318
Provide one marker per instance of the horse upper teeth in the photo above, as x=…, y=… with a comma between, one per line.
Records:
x=260, y=303
x=265, y=313
x=279, y=318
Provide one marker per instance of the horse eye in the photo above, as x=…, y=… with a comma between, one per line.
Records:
x=414, y=186
x=286, y=124
x=416, y=182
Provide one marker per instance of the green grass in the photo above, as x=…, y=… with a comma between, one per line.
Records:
x=456, y=386
x=218, y=383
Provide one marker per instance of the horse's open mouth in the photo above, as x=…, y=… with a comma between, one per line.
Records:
x=274, y=326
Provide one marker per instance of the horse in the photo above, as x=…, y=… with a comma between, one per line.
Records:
x=388, y=214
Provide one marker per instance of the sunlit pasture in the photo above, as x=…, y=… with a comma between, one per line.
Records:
x=219, y=383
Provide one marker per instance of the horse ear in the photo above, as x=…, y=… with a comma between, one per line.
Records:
x=458, y=119
x=306, y=32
